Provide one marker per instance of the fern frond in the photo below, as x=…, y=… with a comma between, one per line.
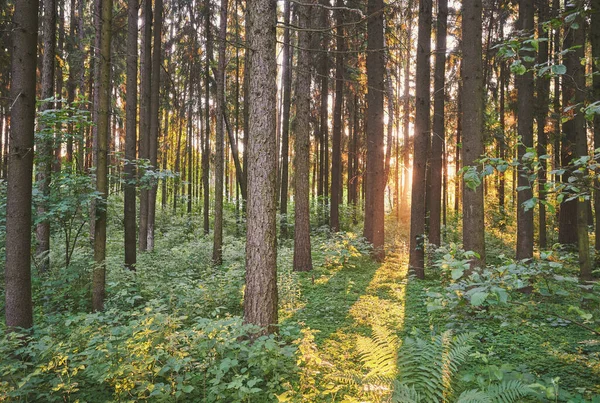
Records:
x=474, y=396
x=508, y=391
x=405, y=394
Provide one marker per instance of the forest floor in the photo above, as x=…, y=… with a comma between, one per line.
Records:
x=173, y=330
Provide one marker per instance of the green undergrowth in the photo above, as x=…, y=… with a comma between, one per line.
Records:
x=352, y=330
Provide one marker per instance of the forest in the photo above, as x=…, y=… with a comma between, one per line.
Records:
x=300, y=201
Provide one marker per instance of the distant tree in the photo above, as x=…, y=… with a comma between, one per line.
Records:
x=260, y=296
x=421, y=142
x=302, y=250
x=17, y=270
x=375, y=175
x=102, y=124
x=472, y=126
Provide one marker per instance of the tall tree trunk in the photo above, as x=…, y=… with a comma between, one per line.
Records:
x=421, y=142
x=302, y=250
x=17, y=270
x=457, y=159
x=406, y=106
x=154, y=116
x=438, y=139
x=102, y=123
x=260, y=297
x=374, y=202
x=206, y=146
x=543, y=95
x=145, y=86
x=45, y=151
x=575, y=139
x=525, y=110
x=595, y=39
x=472, y=122
x=217, y=256
x=131, y=134
x=73, y=69
x=502, y=139
x=336, y=156
x=286, y=73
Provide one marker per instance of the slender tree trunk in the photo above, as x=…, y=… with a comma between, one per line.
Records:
x=472, y=121
x=543, y=95
x=45, y=151
x=260, y=297
x=575, y=141
x=336, y=157
x=421, y=142
x=438, y=138
x=154, y=116
x=595, y=39
x=406, y=106
x=302, y=250
x=502, y=139
x=525, y=110
x=145, y=86
x=131, y=134
x=206, y=147
x=17, y=270
x=457, y=159
x=286, y=73
x=102, y=123
x=220, y=140
x=374, y=203
x=73, y=69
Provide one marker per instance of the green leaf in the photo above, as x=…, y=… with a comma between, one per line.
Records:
x=479, y=298
x=457, y=273
x=558, y=69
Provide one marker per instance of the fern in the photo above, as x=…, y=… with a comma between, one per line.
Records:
x=421, y=370
x=505, y=392
x=474, y=396
x=430, y=365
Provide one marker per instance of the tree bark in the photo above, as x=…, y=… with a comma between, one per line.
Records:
x=286, y=73
x=17, y=271
x=575, y=140
x=302, y=248
x=131, y=134
x=145, y=87
x=543, y=95
x=260, y=297
x=45, y=150
x=206, y=145
x=336, y=156
x=472, y=127
x=374, y=202
x=102, y=123
x=421, y=142
x=438, y=138
x=217, y=256
x=154, y=116
x=595, y=39
x=525, y=110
